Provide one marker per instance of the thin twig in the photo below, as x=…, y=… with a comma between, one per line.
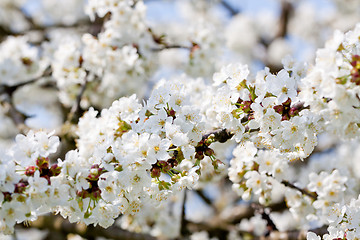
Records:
x=76, y=107
x=183, y=228
x=270, y=225
x=206, y=199
x=221, y=135
x=57, y=224
x=286, y=9
x=7, y=92
x=169, y=46
x=303, y=191
x=11, y=89
x=230, y=8
x=14, y=114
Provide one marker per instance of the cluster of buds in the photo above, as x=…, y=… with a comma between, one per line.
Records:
x=171, y=113
x=42, y=164
x=355, y=71
x=286, y=111
x=123, y=127
x=93, y=191
x=166, y=166
x=203, y=149
x=245, y=106
x=20, y=187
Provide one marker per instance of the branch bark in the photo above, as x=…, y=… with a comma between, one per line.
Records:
x=229, y=8
x=58, y=225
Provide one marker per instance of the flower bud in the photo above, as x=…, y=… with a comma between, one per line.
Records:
x=82, y=194
x=42, y=163
x=285, y=117
x=293, y=112
x=172, y=162
x=246, y=106
x=279, y=109
x=7, y=196
x=96, y=193
x=155, y=172
x=20, y=187
x=209, y=152
x=287, y=103
x=216, y=163
x=199, y=155
x=30, y=171
x=55, y=170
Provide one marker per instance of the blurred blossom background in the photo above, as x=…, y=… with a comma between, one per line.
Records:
x=66, y=45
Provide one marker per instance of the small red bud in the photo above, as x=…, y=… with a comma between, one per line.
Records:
x=199, y=155
x=82, y=194
x=55, y=170
x=42, y=163
x=293, y=112
x=30, y=171
x=209, y=152
x=285, y=117
x=279, y=109
x=20, y=187
x=287, y=103
x=7, y=196
x=155, y=172
x=96, y=193
x=246, y=106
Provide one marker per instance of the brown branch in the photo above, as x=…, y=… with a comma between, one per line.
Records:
x=7, y=92
x=163, y=44
x=169, y=46
x=5, y=89
x=219, y=135
x=207, y=200
x=183, y=228
x=303, y=191
x=14, y=114
x=245, y=212
x=221, y=230
x=270, y=225
x=74, y=113
x=286, y=10
x=58, y=225
x=229, y=8
x=296, y=234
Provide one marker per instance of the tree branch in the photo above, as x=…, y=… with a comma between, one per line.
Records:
x=207, y=200
x=303, y=191
x=5, y=89
x=219, y=135
x=169, y=46
x=229, y=8
x=7, y=92
x=58, y=225
x=76, y=108
x=286, y=9
x=183, y=229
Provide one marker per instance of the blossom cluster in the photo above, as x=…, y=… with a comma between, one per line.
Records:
x=105, y=62
x=132, y=159
x=19, y=61
x=343, y=222
x=29, y=185
x=332, y=86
